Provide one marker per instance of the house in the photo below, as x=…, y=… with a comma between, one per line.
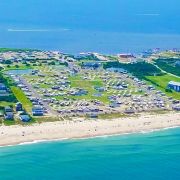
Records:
x=19, y=106
x=119, y=70
x=4, y=93
x=114, y=105
x=129, y=111
x=37, y=111
x=8, y=113
x=91, y=65
x=24, y=117
x=176, y=107
x=8, y=109
x=174, y=85
x=3, y=87
x=93, y=116
x=100, y=89
x=126, y=55
x=9, y=116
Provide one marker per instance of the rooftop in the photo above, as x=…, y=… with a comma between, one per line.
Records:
x=174, y=83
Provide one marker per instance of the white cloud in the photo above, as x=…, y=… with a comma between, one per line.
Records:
x=148, y=14
x=37, y=30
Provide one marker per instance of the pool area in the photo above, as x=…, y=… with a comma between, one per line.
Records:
x=19, y=71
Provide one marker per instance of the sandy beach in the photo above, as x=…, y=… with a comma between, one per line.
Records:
x=80, y=128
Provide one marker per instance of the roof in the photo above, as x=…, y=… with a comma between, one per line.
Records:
x=3, y=85
x=25, y=117
x=37, y=107
x=7, y=108
x=174, y=83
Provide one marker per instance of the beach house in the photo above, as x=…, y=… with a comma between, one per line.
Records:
x=37, y=111
x=174, y=85
x=8, y=113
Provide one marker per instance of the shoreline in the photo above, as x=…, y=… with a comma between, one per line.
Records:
x=81, y=128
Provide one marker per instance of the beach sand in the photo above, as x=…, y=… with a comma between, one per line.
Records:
x=81, y=128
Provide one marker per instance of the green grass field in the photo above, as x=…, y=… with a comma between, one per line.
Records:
x=5, y=103
x=78, y=82
x=21, y=97
x=163, y=81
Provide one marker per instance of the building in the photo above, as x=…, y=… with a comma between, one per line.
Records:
x=129, y=111
x=176, y=108
x=37, y=111
x=174, y=85
x=93, y=116
x=126, y=55
x=24, y=118
x=19, y=106
x=3, y=87
x=8, y=113
x=91, y=65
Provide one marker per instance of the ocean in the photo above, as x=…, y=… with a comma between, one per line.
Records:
x=105, y=26
x=147, y=156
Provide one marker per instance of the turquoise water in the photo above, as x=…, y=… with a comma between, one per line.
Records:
x=108, y=26
x=139, y=156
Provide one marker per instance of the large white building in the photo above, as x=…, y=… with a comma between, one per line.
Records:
x=174, y=85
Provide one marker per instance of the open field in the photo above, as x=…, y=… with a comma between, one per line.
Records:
x=162, y=82
x=21, y=97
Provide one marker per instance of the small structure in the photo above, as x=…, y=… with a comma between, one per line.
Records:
x=176, y=107
x=126, y=55
x=91, y=65
x=37, y=111
x=8, y=113
x=3, y=87
x=174, y=85
x=19, y=106
x=24, y=117
x=93, y=115
x=129, y=111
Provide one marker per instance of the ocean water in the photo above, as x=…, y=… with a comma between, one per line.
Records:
x=150, y=156
x=106, y=26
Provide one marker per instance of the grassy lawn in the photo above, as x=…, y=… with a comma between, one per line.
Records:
x=13, y=67
x=78, y=82
x=5, y=103
x=112, y=116
x=9, y=122
x=163, y=81
x=21, y=97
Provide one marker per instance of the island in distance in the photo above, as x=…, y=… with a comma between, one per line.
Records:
x=51, y=95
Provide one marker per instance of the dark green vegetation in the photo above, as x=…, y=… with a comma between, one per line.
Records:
x=140, y=69
x=10, y=98
x=151, y=74
x=171, y=65
x=21, y=97
x=15, y=50
x=88, y=57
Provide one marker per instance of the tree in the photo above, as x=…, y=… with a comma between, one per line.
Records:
x=7, y=62
x=52, y=63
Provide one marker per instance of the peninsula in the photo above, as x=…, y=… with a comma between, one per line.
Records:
x=48, y=95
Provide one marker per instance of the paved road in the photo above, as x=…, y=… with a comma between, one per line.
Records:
x=37, y=95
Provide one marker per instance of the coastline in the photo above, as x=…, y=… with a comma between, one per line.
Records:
x=80, y=128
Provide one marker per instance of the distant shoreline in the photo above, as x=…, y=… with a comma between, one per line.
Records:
x=80, y=128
